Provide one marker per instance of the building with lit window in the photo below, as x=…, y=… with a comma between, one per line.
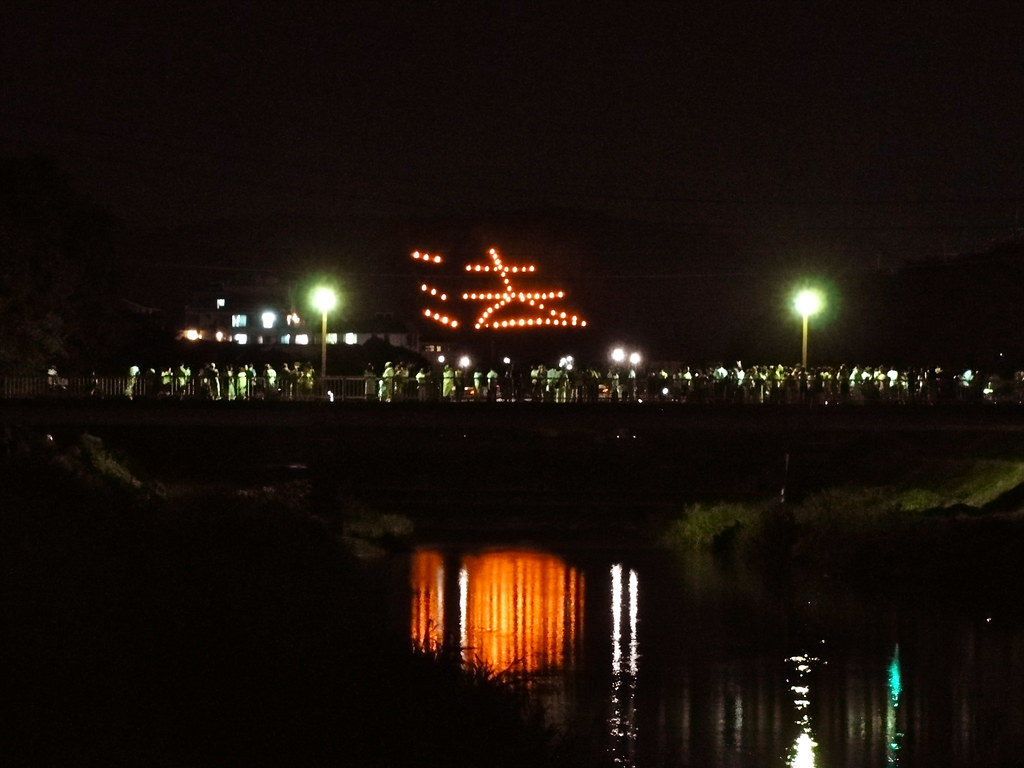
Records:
x=260, y=313
x=265, y=314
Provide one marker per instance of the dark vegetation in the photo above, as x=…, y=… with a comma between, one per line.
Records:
x=151, y=627
x=62, y=266
x=927, y=517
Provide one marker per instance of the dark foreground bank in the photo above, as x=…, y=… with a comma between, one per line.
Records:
x=226, y=629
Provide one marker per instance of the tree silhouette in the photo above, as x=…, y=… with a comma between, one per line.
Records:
x=58, y=273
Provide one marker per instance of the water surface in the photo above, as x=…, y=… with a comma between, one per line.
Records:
x=690, y=662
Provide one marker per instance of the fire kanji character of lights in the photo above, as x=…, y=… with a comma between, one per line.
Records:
x=503, y=300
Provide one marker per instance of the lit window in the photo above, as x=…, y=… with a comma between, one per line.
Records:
x=268, y=319
x=241, y=338
x=238, y=321
x=286, y=338
x=302, y=338
x=332, y=338
x=220, y=303
x=350, y=338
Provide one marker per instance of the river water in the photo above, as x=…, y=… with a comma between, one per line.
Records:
x=685, y=661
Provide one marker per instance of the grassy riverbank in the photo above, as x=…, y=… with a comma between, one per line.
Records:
x=147, y=627
x=930, y=525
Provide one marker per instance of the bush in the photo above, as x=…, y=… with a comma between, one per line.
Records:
x=710, y=526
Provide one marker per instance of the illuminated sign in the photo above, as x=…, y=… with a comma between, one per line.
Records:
x=505, y=305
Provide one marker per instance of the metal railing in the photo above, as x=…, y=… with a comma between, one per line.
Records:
x=149, y=387
x=152, y=386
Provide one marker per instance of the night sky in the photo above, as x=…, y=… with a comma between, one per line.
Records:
x=767, y=134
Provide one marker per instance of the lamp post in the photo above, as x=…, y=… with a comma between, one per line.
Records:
x=324, y=300
x=807, y=303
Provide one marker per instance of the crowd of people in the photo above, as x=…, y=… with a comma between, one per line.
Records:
x=568, y=383
x=757, y=384
x=243, y=382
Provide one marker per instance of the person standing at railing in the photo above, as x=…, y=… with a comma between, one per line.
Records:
x=270, y=381
x=387, y=383
x=213, y=377
x=133, y=380
x=447, y=382
x=401, y=381
x=184, y=377
x=369, y=383
x=306, y=379
x=422, y=384
x=242, y=383
x=229, y=383
x=492, y=385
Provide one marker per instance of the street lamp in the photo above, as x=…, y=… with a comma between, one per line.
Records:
x=807, y=303
x=324, y=300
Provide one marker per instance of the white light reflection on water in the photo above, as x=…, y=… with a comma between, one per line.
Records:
x=622, y=721
x=463, y=607
x=802, y=753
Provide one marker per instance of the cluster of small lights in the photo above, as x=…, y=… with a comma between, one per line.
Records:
x=434, y=292
x=534, y=312
x=521, y=296
x=489, y=268
x=443, y=319
x=427, y=257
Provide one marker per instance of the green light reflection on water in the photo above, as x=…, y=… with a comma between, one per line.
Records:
x=892, y=732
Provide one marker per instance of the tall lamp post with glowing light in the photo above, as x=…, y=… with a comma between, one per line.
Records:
x=324, y=300
x=807, y=303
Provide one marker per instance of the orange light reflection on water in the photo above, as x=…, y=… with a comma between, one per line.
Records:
x=428, y=599
x=516, y=608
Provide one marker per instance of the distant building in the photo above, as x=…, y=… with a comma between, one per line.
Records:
x=258, y=313
x=264, y=314
x=385, y=327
